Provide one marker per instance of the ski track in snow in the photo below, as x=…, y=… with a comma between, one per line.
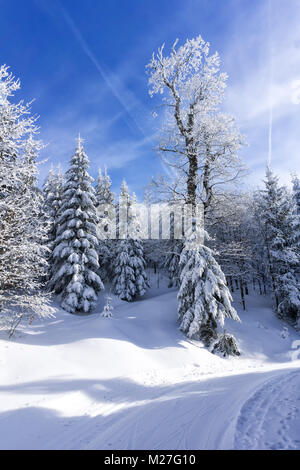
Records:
x=135, y=382
x=270, y=418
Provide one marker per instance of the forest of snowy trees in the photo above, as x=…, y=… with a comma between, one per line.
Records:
x=66, y=239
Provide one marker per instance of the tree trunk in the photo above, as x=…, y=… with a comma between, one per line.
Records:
x=207, y=190
x=242, y=294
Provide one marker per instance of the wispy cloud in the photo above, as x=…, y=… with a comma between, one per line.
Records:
x=105, y=75
x=262, y=57
x=243, y=38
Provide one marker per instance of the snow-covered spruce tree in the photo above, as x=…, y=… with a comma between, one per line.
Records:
x=48, y=189
x=106, y=224
x=296, y=192
x=52, y=190
x=103, y=191
x=201, y=144
x=130, y=279
x=281, y=233
x=75, y=255
x=226, y=345
x=108, y=308
x=122, y=211
x=172, y=262
x=22, y=234
x=296, y=197
x=173, y=247
x=204, y=300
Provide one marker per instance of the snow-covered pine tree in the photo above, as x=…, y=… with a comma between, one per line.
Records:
x=22, y=234
x=226, y=345
x=75, y=273
x=281, y=234
x=106, y=224
x=130, y=279
x=52, y=190
x=296, y=197
x=108, y=308
x=48, y=189
x=172, y=262
x=172, y=249
x=296, y=191
x=122, y=211
x=103, y=191
x=204, y=300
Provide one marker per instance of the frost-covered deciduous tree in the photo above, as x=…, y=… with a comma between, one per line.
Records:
x=281, y=234
x=130, y=279
x=22, y=233
x=198, y=142
x=75, y=273
x=202, y=144
x=235, y=238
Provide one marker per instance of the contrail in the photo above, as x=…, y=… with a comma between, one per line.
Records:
x=96, y=63
x=270, y=82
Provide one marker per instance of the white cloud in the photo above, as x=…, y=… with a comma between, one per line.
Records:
x=264, y=83
x=295, y=95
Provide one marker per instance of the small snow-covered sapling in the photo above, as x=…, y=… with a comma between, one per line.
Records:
x=108, y=308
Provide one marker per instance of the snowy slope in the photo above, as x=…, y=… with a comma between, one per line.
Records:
x=134, y=382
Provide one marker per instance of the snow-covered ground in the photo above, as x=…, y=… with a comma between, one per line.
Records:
x=135, y=382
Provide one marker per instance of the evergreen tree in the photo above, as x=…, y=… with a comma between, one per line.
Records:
x=103, y=191
x=130, y=279
x=122, y=211
x=173, y=248
x=296, y=192
x=296, y=197
x=232, y=229
x=22, y=234
x=204, y=300
x=108, y=308
x=226, y=345
x=75, y=253
x=48, y=189
x=52, y=190
x=172, y=262
x=282, y=234
x=106, y=224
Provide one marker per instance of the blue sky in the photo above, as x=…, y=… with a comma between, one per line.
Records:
x=84, y=63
